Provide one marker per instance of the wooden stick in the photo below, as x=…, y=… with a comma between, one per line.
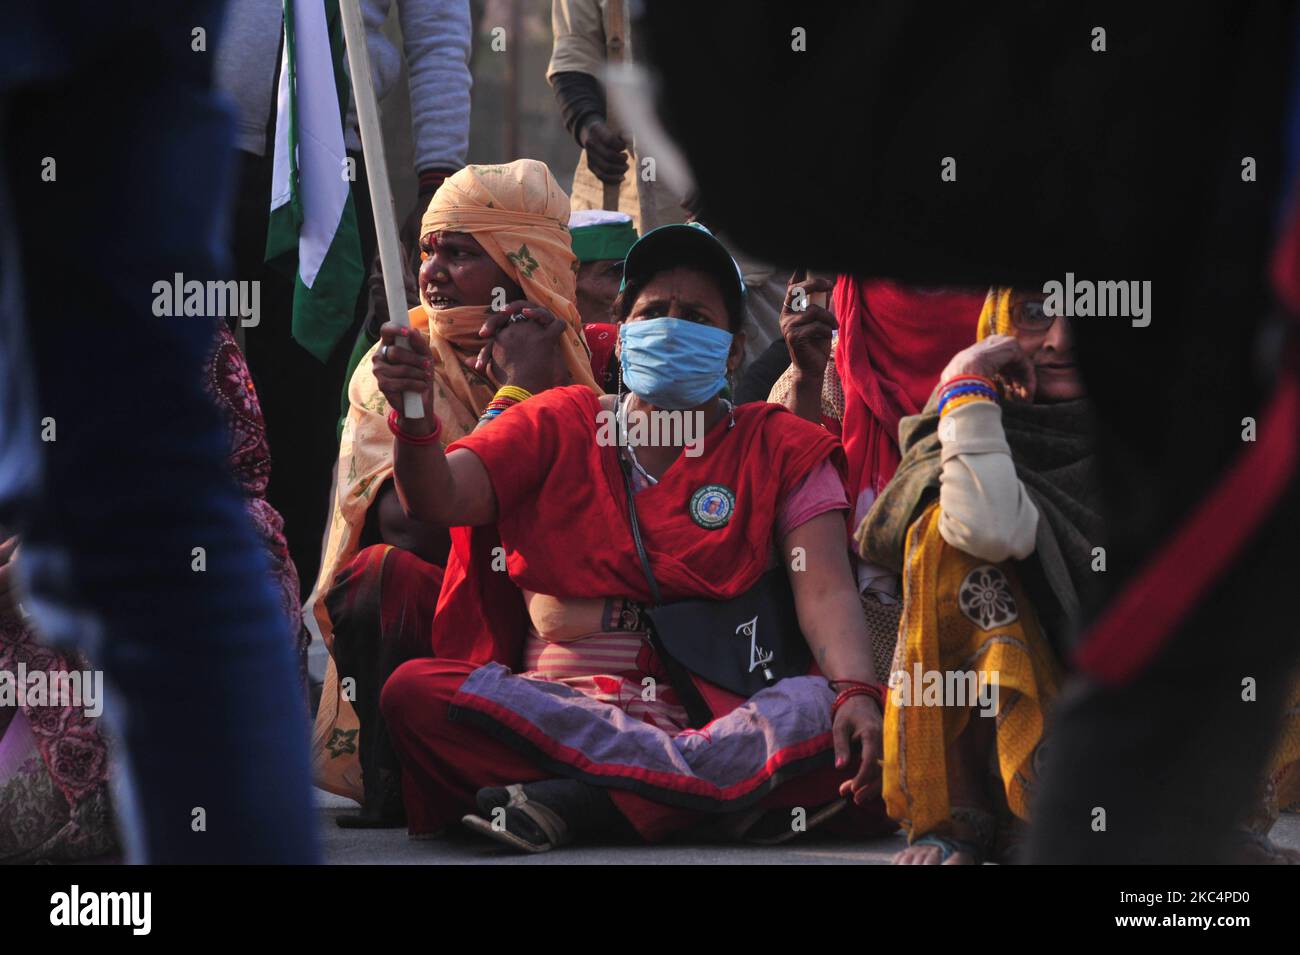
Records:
x=615, y=44
x=381, y=195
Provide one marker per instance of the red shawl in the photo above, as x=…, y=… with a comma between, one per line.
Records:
x=564, y=519
x=894, y=342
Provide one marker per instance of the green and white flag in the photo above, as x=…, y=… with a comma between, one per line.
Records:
x=313, y=225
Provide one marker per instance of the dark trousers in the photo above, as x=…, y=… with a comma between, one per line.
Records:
x=112, y=458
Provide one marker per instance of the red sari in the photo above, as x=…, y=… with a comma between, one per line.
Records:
x=563, y=523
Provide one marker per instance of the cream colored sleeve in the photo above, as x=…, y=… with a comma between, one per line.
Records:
x=579, y=38
x=984, y=510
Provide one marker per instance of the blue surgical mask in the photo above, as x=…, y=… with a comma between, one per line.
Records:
x=672, y=363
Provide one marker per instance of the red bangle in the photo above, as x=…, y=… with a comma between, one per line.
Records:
x=873, y=690
x=402, y=436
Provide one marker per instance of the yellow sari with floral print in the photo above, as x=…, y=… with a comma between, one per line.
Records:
x=961, y=615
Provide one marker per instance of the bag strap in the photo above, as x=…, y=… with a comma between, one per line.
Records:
x=698, y=711
x=631, y=510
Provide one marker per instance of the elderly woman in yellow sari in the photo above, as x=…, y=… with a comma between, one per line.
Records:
x=494, y=238
x=993, y=520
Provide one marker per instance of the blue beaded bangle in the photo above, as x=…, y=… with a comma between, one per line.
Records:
x=964, y=389
x=969, y=388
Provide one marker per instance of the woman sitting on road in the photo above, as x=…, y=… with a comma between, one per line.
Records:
x=993, y=519
x=492, y=236
x=595, y=729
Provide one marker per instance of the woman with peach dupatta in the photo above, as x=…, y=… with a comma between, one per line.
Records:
x=492, y=236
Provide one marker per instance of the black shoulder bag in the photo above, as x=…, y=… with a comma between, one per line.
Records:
x=742, y=645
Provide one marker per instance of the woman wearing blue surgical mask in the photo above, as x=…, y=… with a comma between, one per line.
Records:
x=590, y=729
x=679, y=341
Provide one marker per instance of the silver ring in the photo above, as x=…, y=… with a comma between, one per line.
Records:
x=518, y=317
x=383, y=354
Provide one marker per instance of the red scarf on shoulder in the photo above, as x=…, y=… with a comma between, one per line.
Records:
x=894, y=342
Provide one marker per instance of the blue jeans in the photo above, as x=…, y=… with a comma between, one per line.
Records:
x=203, y=696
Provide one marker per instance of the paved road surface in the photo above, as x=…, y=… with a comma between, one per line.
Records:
x=393, y=847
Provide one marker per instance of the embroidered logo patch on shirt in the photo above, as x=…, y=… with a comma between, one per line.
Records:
x=985, y=597
x=711, y=506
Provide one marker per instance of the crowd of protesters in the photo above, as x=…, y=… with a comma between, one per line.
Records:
x=890, y=483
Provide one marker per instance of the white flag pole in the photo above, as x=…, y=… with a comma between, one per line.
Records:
x=381, y=195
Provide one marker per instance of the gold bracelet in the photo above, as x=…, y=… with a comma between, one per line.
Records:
x=513, y=392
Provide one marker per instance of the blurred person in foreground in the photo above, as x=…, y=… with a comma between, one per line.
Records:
x=1201, y=517
x=131, y=478
x=55, y=804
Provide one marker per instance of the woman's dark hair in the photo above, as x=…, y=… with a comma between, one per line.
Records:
x=731, y=297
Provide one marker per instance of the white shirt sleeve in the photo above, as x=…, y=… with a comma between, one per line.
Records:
x=984, y=509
